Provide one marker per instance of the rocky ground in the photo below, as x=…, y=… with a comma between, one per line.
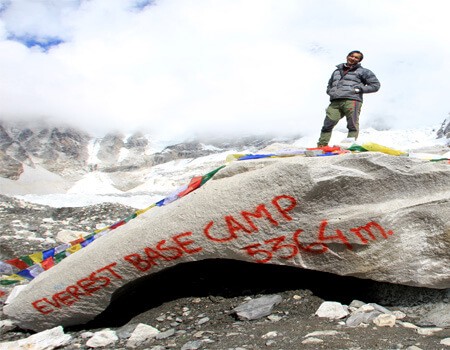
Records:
x=192, y=305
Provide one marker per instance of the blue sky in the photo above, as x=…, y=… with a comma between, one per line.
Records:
x=179, y=68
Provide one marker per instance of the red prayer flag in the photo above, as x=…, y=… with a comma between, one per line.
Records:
x=48, y=263
x=21, y=265
x=77, y=241
x=117, y=224
x=325, y=149
x=193, y=185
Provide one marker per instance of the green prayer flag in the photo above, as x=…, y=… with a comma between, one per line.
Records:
x=58, y=257
x=210, y=175
x=27, y=260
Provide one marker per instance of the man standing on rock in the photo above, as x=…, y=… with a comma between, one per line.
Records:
x=346, y=87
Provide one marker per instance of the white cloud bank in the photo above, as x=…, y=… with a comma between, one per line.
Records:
x=183, y=67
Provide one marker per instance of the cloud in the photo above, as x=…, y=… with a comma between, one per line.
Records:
x=179, y=68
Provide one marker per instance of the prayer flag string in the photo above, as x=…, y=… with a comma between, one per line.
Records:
x=27, y=267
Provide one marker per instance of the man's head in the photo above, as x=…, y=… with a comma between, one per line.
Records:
x=354, y=57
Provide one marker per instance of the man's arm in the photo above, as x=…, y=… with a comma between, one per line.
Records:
x=370, y=81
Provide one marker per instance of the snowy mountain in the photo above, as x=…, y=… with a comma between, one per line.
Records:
x=65, y=167
x=69, y=167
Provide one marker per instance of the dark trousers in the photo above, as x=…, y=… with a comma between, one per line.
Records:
x=337, y=110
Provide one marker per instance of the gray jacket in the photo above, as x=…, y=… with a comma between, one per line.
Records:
x=342, y=86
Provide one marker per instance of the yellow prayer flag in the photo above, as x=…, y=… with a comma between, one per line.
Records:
x=233, y=157
x=36, y=257
x=141, y=211
x=74, y=248
x=375, y=147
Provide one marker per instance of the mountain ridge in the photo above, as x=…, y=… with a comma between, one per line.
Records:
x=38, y=159
x=71, y=152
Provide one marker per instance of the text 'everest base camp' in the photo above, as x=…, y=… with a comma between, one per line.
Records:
x=368, y=215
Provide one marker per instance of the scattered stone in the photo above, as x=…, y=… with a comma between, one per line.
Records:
x=158, y=347
x=165, y=334
x=428, y=331
x=257, y=308
x=67, y=236
x=332, y=310
x=102, y=339
x=399, y=315
x=86, y=335
x=366, y=308
x=199, y=334
x=274, y=318
x=384, y=320
x=445, y=341
x=46, y=340
x=192, y=345
x=358, y=318
x=312, y=340
x=141, y=335
x=356, y=304
x=380, y=308
x=270, y=342
x=125, y=332
x=6, y=326
x=320, y=333
x=407, y=325
x=202, y=321
x=269, y=335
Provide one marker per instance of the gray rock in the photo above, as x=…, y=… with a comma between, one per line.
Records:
x=142, y=334
x=6, y=326
x=356, y=304
x=445, y=341
x=203, y=320
x=332, y=310
x=385, y=320
x=380, y=308
x=192, y=345
x=103, y=338
x=125, y=332
x=257, y=308
x=166, y=334
x=438, y=316
x=368, y=215
x=357, y=318
x=45, y=340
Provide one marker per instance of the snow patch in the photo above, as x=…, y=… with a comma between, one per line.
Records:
x=94, y=183
x=34, y=180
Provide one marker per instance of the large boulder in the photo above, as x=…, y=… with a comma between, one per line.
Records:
x=367, y=215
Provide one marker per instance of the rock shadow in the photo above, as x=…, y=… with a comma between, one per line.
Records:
x=232, y=278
